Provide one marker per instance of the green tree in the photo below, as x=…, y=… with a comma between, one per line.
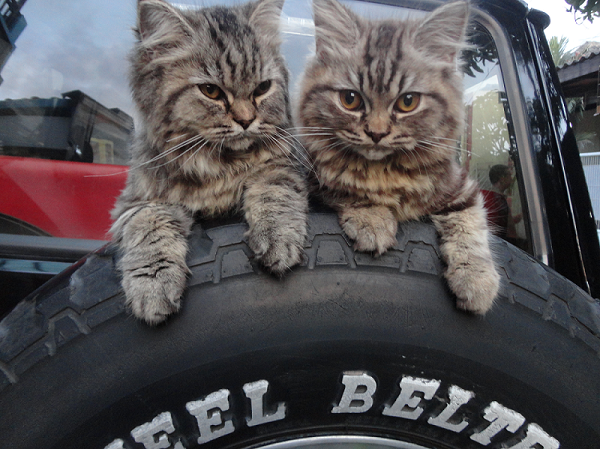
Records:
x=589, y=9
x=558, y=47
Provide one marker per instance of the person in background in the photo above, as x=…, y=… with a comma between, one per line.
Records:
x=502, y=179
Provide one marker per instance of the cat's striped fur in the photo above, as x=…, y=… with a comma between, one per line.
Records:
x=382, y=162
x=211, y=89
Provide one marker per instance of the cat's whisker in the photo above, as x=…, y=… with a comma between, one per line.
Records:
x=432, y=148
x=440, y=146
x=181, y=136
x=301, y=153
x=311, y=127
x=218, y=148
x=168, y=152
x=282, y=147
x=414, y=156
x=427, y=144
x=346, y=147
x=286, y=135
x=149, y=161
x=437, y=142
x=322, y=140
x=172, y=160
x=195, y=151
x=337, y=144
x=212, y=150
x=194, y=141
x=314, y=134
x=333, y=146
x=446, y=138
x=300, y=157
x=186, y=142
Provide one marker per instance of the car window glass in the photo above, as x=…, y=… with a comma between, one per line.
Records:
x=66, y=115
x=488, y=147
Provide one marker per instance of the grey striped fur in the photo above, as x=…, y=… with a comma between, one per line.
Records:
x=197, y=155
x=377, y=165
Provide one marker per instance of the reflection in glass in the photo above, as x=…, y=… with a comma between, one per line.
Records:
x=64, y=94
x=488, y=149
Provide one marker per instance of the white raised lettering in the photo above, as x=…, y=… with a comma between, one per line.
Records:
x=208, y=414
x=407, y=404
x=500, y=418
x=537, y=438
x=458, y=397
x=117, y=444
x=153, y=434
x=358, y=394
x=255, y=391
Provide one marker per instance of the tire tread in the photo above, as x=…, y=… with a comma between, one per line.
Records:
x=89, y=294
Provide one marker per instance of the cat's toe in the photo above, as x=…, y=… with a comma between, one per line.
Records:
x=377, y=242
x=154, y=310
x=277, y=249
x=373, y=229
x=281, y=255
x=475, y=288
x=282, y=258
x=154, y=299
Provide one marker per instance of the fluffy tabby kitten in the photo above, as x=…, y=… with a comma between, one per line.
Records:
x=383, y=102
x=211, y=89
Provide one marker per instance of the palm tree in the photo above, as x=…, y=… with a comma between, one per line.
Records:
x=558, y=47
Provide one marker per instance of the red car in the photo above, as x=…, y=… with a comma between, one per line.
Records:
x=62, y=165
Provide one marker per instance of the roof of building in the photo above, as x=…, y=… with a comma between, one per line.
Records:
x=579, y=75
x=582, y=53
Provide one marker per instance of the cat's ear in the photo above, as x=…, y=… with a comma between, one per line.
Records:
x=337, y=29
x=266, y=17
x=442, y=34
x=159, y=23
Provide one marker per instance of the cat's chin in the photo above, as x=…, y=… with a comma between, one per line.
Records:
x=374, y=154
x=239, y=144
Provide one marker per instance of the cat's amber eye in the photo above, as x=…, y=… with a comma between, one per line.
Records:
x=262, y=88
x=212, y=91
x=351, y=100
x=408, y=102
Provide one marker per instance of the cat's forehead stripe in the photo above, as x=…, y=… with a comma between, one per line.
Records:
x=238, y=52
x=382, y=57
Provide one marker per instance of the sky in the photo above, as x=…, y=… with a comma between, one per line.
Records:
x=564, y=24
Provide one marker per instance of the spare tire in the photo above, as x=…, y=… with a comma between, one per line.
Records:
x=346, y=351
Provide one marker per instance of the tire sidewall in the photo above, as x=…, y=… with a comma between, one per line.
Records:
x=302, y=344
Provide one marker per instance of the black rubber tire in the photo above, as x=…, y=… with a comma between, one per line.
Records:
x=77, y=371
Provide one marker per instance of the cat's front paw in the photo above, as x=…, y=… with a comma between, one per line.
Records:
x=154, y=293
x=373, y=229
x=475, y=285
x=277, y=247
